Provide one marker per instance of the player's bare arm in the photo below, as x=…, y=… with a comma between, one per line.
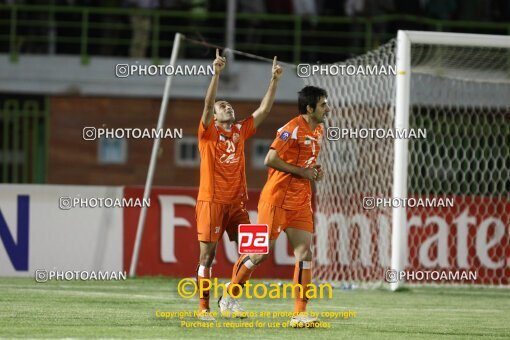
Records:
x=219, y=65
x=274, y=161
x=267, y=102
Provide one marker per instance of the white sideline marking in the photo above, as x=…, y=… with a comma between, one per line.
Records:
x=85, y=293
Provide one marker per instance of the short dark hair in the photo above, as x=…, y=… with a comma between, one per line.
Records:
x=310, y=95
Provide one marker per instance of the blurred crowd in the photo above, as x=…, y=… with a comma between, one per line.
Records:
x=479, y=10
x=138, y=36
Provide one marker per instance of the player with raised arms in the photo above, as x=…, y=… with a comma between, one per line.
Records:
x=222, y=194
x=285, y=201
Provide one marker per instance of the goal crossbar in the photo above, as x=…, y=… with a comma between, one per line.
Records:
x=457, y=39
x=402, y=100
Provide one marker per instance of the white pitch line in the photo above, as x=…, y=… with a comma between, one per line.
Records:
x=361, y=309
x=81, y=285
x=86, y=293
x=403, y=309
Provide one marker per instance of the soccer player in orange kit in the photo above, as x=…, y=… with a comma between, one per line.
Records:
x=222, y=194
x=285, y=201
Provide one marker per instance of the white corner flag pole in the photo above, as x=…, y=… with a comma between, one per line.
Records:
x=154, y=154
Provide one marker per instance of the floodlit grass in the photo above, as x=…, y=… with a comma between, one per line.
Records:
x=127, y=309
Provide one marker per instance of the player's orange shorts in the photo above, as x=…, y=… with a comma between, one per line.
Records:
x=215, y=218
x=279, y=219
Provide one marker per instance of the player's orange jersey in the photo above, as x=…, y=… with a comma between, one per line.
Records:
x=222, y=170
x=296, y=144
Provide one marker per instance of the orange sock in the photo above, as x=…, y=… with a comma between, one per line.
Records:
x=303, y=276
x=240, y=274
x=203, y=273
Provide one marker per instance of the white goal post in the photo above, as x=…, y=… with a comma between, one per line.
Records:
x=402, y=99
x=456, y=87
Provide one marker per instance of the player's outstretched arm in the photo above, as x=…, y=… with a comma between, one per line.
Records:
x=267, y=102
x=210, y=97
x=274, y=161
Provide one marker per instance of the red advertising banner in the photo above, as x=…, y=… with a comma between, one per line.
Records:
x=170, y=245
x=472, y=235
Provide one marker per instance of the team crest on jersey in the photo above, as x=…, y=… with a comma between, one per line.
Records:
x=284, y=135
x=235, y=138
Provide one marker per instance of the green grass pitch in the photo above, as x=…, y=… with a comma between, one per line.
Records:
x=127, y=309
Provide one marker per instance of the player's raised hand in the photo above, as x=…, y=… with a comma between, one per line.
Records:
x=219, y=63
x=277, y=70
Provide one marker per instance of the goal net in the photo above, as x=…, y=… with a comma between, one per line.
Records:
x=458, y=93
